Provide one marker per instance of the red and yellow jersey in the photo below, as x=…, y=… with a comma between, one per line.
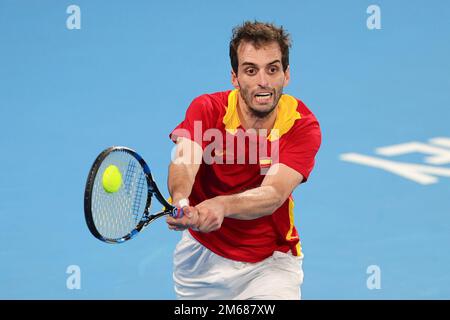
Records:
x=231, y=167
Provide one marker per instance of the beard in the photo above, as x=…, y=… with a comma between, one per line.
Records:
x=258, y=112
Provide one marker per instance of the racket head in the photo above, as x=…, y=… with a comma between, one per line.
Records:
x=115, y=217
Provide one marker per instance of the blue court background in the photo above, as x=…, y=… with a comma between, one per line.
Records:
x=126, y=78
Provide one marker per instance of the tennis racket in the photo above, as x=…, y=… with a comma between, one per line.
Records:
x=118, y=216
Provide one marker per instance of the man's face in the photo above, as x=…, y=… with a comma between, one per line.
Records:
x=260, y=77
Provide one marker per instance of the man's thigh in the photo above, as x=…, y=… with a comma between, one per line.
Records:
x=201, y=274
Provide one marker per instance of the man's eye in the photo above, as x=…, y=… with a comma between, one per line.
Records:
x=273, y=69
x=250, y=71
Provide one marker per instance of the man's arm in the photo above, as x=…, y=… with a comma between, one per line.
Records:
x=183, y=168
x=276, y=187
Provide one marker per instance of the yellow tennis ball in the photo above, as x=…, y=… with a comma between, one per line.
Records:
x=112, y=179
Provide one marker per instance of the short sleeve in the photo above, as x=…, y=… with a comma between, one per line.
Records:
x=199, y=117
x=298, y=149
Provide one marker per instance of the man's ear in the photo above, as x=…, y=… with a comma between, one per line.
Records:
x=234, y=79
x=287, y=76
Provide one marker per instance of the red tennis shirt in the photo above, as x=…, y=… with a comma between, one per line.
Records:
x=236, y=160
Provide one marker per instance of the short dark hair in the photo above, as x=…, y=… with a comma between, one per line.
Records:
x=259, y=34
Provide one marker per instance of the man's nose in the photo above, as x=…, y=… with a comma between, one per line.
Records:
x=263, y=79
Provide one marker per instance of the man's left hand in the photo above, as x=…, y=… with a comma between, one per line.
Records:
x=210, y=214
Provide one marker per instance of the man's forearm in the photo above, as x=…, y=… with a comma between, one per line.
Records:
x=183, y=168
x=180, y=181
x=252, y=204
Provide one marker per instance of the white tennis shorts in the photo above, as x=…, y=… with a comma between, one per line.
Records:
x=201, y=274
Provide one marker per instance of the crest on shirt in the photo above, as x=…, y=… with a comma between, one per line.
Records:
x=264, y=164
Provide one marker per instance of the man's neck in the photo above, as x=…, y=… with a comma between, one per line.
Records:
x=249, y=121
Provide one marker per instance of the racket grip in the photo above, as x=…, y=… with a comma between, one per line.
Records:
x=177, y=213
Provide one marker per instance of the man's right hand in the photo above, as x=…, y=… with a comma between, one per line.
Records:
x=188, y=220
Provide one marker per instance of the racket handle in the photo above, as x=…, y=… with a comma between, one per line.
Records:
x=178, y=212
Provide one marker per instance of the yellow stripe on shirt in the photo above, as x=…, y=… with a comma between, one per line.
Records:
x=289, y=236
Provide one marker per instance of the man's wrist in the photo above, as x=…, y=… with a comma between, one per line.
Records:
x=177, y=197
x=225, y=202
x=183, y=202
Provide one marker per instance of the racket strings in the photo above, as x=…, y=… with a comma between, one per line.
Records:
x=142, y=183
x=117, y=214
x=131, y=170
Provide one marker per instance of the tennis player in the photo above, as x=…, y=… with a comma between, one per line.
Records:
x=239, y=240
